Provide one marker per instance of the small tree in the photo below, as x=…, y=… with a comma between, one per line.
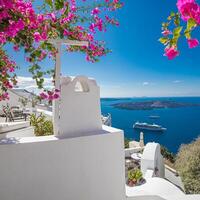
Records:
x=188, y=165
x=42, y=126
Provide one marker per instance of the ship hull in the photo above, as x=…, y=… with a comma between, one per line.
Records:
x=149, y=128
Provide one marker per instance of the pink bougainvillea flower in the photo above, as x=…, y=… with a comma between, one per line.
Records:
x=95, y=11
x=57, y=90
x=5, y=95
x=189, y=9
x=43, y=95
x=92, y=27
x=28, y=59
x=37, y=36
x=43, y=36
x=66, y=32
x=166, y=32
x=19, y=25
x=73, y=8
x=11, y=69
x=192, y=43
x=42, y=55
x=16, y=48
x=50, y=97
x=56, y=96
x=53, y=17
x=171, y=53
x=50, y=93
x=40, y=18
x=2, y=38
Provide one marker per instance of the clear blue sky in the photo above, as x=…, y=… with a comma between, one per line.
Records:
x=136, y=66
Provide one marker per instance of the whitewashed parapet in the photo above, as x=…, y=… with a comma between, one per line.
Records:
x=80, y=112
x=53, y=168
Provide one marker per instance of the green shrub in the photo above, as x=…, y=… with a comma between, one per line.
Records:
x=167, y=154
x=42, y=126
x=126, y=143
x=188, y=165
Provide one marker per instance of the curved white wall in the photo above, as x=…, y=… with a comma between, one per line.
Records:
x=152, y=160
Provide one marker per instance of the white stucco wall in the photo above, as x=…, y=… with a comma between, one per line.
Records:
x=80, y=111
x=49, y=168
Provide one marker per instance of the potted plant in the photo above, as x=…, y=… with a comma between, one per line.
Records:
x=134, y=177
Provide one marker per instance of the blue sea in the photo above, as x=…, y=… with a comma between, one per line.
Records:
x=183, y=124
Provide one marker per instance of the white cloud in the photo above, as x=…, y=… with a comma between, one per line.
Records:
x=29, y=84
x=145, y=83
x=177, y=81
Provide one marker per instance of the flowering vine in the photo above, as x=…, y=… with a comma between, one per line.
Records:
x=7, y=76
x=180, y=24
x=28, y=28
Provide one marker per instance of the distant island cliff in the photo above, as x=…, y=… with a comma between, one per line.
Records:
x=150, y=105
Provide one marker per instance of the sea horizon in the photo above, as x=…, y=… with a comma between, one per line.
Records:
x=193, y=96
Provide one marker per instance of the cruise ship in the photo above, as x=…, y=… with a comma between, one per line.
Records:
x=150, y=127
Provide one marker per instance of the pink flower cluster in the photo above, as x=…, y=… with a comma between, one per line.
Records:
x=171, y=52
x=4, y=96
x=50, y=95
x=166, y=32
x=112, y=21
x=7, y=67
x=192, y=43
x=16, y=24
x=189, y=9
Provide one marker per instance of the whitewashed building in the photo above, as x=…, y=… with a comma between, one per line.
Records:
x=14, y=95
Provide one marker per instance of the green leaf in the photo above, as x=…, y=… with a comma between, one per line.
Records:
x=164, y=40
x=59, y=4
x=49, y=2
x=187, y=34
x=191, y=23
x=169, y=18
x=165, y=25
x=172, y=14
x=39, y=74
x=37, y=53
x=177, y=32
x=177, y=19
x=67, y=10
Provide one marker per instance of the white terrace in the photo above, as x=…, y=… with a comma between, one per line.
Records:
x=85, y=160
